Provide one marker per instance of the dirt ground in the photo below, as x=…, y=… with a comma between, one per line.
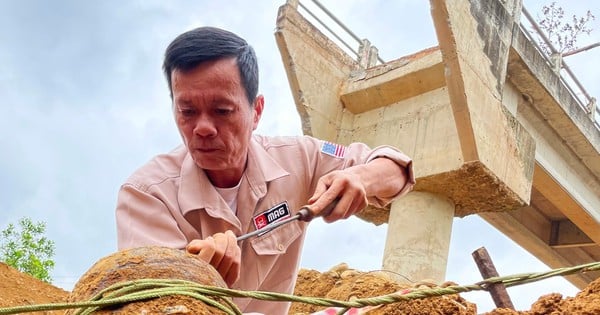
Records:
x=340, y=283
x=17, y=288
x=343, y=283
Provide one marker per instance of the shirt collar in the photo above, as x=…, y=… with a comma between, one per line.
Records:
x=197, y=192
x=261, y=168
x=195, y=189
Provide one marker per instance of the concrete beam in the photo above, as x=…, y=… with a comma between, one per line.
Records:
x=515, y=225
x=394, y=81
x=316, y=68
x=547, y=93
x=556, y=194
x=566, y=234
x=474, y=38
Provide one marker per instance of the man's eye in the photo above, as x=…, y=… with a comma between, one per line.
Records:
x=186, y=112
x=223, y=111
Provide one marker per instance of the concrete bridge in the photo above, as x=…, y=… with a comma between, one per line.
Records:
x=493, y=130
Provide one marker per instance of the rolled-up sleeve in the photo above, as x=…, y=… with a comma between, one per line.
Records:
x=403, y=161
x=357, y=153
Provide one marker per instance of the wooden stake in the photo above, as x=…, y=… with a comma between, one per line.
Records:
x=487, y=270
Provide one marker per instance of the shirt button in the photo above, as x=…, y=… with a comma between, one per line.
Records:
x=280, y=247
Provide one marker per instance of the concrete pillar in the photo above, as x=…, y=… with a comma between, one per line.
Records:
x=418, y=237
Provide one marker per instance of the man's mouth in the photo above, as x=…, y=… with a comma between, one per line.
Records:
x=207, y=149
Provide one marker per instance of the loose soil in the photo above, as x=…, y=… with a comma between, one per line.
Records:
x=340, y=283
x=17, y=288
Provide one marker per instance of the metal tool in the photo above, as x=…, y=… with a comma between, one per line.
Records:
x=304, y=214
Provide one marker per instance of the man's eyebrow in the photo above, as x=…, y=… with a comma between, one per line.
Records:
x=182, y=101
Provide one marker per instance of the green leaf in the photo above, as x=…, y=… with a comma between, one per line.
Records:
x=27, y=249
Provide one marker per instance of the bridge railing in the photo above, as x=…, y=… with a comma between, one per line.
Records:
x=361, y=49
x=556, y=61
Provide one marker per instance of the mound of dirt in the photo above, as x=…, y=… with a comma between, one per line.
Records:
x=17, y=289
x=343, y=283
x=339, y=283
x=586, y=302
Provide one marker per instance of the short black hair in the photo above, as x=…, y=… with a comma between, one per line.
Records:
x=202, y=44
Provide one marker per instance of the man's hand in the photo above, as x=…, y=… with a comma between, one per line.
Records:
x=222, y=252
x=380, y=177
x=343, y=185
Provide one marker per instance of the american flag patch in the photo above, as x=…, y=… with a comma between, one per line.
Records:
x=333, y=149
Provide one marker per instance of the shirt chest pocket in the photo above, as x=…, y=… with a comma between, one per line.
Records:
x=277, y=241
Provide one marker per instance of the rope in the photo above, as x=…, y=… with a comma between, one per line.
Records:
x=145, y=289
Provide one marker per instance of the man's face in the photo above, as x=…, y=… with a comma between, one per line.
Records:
x=214, y=118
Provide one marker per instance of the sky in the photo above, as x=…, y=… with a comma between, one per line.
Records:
x=83, y=103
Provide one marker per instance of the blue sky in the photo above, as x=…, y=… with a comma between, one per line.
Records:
x=84, y=103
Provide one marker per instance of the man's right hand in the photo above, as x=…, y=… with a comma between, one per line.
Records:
x=222, y=252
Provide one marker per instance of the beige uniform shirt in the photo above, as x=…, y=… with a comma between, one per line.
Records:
x=170, y=201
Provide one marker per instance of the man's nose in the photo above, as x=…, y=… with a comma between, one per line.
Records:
x=205, y=127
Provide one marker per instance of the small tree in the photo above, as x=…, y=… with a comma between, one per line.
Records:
x=27, y=249
x=562, y=34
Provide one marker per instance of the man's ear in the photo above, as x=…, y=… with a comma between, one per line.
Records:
x=258, y=106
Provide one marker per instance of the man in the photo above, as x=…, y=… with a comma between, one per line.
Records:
x=224, y=181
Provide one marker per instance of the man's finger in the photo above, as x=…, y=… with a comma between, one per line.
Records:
x=319, y=190
x=195, y=246
x=342, y=206
x=331, y=195
x=220, y=249
x=207, y=251
x=233, y=256
x=222, y=252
